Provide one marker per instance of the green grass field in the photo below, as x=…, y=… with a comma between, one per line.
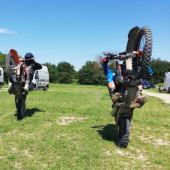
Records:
x=70, y=127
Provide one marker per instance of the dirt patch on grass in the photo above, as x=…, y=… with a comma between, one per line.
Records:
x=141, y=157
x=121, y=152
x=11, y=133
x=47, y=125
x=135, y=155
x=14, y=150
x=2, y=157
x=18, y=165
x=154, y=141
x=27, y=154
x=108, y=153
x=66, y=120
x=160, y=142
x=146, y=139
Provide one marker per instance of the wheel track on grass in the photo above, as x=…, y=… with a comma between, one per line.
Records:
x=163, y=96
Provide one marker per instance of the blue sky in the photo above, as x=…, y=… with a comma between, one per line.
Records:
x=79, y=30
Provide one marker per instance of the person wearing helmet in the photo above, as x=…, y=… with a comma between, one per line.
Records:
x=110, y=78
x=30, y=66
x=113, y=88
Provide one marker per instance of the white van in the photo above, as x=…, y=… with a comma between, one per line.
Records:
x=40, y=79
x=1, y=76
x=166, y=85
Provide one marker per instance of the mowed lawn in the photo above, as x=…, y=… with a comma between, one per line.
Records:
x=70, y=127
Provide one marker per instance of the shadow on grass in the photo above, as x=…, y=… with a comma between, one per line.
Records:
x=30, y=112
x=107, y=132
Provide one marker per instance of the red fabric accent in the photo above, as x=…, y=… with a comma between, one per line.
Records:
x=14, y=56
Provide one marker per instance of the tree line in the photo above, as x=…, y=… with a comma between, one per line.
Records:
x=64, y=72
x=91, y=73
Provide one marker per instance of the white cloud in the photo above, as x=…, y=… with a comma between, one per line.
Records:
x=6, y=31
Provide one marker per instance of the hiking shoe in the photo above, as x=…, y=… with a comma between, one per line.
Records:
x=116, y=97
x=135, y=105
x=142, y=99
x=139, y=101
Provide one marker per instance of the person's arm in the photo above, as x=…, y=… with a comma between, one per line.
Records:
x=27, y=70
x=36, y=66
x=110, y=76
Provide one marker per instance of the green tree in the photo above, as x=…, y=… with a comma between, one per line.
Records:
x=66, y=72
x=91, y=73
x=160, y=67
x=53, y=73
x=65, y=67
x=64, y=77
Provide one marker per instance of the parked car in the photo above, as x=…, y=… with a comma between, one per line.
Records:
x=1, y=76
x=40, y=79
x=146, y=84
x=166, y=85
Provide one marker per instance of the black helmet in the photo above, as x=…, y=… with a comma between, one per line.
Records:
x=29, y=56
